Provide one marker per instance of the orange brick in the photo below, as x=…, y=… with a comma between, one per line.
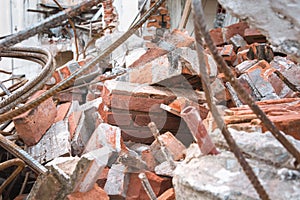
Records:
x=158, y=184
x=95, y=193
x=167, y=195
x=33, y=124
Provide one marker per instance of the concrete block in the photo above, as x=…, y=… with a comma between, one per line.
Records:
x=117, y=181
x=53, y=144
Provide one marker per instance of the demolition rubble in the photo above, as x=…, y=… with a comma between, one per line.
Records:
x=137, y=125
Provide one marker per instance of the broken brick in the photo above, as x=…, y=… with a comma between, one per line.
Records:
x=103, y=177
x=62, y=111
x=228, y=54
x=95, y=193
x=222, y=35
x=148, y=157
x=73, y=122
x=158, y=184
x=167, y=195
x=33, y=124
x=173, y=146
x=252, y=35
x=106, y=135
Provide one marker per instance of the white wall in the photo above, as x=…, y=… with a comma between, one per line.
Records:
x=13, y=18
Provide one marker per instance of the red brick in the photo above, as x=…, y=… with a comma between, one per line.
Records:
x=150, y=55
x=115, y=117
x=138, y=135
x=106, y=135
x=103, y=177
x=148, y=157
x=180, y=39
x=95, y=193
x=222, y=35
x=252, y=35
x=228, y=54
x=217, y=36
x=237, y=28
x=180, y=103
x=288, y=123
x=137, y=103
x=62, y=111
x=68, y=97
x=174, y=147
x=162, y=121
x=73, y=121
x=158, y=184
x=33, y=124
x=167, y=195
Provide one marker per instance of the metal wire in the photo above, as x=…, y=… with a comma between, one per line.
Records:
x=68, y=81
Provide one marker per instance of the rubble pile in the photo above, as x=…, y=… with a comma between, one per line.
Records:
x=121, y=130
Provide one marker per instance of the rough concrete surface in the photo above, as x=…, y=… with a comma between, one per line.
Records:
x=221, y=176
x=279, y=21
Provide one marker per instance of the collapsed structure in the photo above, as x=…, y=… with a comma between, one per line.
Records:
x=129, y=117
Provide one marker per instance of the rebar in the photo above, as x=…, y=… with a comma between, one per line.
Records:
x=47, y=23
x=23, y=155
x=200, y=27
x=243, y=95
x=68, y=81
x=14, y=162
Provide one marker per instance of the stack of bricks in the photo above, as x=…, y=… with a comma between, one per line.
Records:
x=132, y=107
x=284, y=113
x=109, y=12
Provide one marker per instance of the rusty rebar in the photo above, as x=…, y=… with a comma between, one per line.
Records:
x=47, y=23
x=23, y=155
x=292, y=86
x=200, y=27
x=68, y=81
x=13, y=162
x=39, y=55
x=243, y=95
x=73, y=28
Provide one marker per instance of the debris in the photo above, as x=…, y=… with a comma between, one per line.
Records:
x=192, y=117
x=116, y=122
x=33, y=124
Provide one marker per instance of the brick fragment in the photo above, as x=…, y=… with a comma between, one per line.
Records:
x=148, y=157
x=73, y=122
x=228, y=54
x=158, y=184
x=103, y=177
x=106, y=135
x=173, y=146
x=252, y=35
x=95, y=193
x=62, y=111
x=167, y=195
x=33, y=124
x=221, y=36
